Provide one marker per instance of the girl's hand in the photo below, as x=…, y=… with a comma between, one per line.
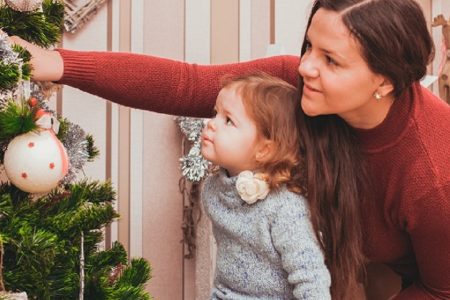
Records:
x=47, y=64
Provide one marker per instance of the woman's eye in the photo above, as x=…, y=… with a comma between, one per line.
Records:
x=330, y=61
x=307, y=46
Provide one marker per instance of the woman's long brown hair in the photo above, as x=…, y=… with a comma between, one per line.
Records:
x=395, y=42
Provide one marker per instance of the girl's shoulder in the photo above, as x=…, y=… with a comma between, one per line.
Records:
x=285, y=201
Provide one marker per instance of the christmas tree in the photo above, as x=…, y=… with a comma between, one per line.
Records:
x=51, y=226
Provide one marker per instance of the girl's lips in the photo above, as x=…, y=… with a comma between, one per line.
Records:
x=206, y=139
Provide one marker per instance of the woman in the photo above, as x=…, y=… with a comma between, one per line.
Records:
x=360, y=65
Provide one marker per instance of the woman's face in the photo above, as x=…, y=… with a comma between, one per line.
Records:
x=337, y=80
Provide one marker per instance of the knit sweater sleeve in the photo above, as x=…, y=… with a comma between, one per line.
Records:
x=293, y=237
x=159, y=84
x=428, y=224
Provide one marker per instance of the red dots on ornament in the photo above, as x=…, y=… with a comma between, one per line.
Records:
x=52, y=165
x=24, y=175
x=32, y=102
x=31, y=144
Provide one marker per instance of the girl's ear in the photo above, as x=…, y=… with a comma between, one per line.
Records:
x=264, y=151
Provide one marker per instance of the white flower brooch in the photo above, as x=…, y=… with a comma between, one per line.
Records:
x=251, y=187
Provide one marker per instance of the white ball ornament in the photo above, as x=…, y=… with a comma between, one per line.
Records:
x=13, y=296
x=36, y=161
x=24, y=5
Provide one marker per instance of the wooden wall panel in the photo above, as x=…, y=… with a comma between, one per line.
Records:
x=163, y=34
x=224, y=31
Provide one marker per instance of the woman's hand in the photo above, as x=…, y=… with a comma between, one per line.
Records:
x=47, y=64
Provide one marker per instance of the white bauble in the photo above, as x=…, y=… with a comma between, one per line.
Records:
x=13, y=296
x=24, y=5
x=35, y=162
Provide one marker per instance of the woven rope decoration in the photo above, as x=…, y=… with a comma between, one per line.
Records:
x=24, y=5
x=78, y=12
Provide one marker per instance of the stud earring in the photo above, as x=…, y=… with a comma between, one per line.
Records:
x=377, y=96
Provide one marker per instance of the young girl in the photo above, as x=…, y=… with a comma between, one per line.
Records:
x=266, y=245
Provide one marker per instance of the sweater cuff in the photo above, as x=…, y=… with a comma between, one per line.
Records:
x=78, y=66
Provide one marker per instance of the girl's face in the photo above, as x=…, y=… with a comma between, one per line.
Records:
x=337, y=80
x=231, y=139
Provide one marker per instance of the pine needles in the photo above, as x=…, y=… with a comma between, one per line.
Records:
x=41, y=28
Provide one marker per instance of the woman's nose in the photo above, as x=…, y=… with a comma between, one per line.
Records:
x=307, y=67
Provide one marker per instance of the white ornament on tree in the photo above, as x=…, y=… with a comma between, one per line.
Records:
x=24, y=5
x=14, y=296
x=36, y=161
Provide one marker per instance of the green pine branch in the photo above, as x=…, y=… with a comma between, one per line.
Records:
x=16, y=119
x=128, y=284
x=9, y=76
x=41, y=28
x=92, y=150
x=25, y=55
x=136, y=274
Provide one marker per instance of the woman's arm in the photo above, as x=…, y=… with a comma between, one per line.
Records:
x=148, y=82
x=159, y=84
x=428, y=224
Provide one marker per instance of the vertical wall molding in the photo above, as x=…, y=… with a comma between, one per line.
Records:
x=198, y=272
x=108, y=120
x=124, y=137
x=113, y=111
x=136, y=140
x=272, y=38
x=162, y=211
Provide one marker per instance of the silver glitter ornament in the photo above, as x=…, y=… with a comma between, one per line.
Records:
x=194, y=167
x=191, y=127
x=24, y=5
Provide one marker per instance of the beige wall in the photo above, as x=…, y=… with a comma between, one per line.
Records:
x=140, y=150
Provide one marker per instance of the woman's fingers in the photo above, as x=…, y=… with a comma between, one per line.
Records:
x=47, y=64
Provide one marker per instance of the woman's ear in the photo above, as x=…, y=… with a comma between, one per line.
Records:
x=264, y=150
x=385, y=88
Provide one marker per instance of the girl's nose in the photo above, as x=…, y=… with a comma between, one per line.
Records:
x=210, y=124
x=307, y=67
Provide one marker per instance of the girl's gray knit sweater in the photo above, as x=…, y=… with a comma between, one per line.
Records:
x=267, y=250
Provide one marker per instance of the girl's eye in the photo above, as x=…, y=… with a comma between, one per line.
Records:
x=229, y=122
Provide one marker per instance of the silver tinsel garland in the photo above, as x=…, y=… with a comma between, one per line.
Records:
x=7, y=54
x=76, y=145
x=194, y=167
x=8, y=57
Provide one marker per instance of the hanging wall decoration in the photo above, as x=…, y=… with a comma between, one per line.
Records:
x=24, y=5
x=444, y=67
x=194, y=168
x=78, y=12
x=193, y=165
